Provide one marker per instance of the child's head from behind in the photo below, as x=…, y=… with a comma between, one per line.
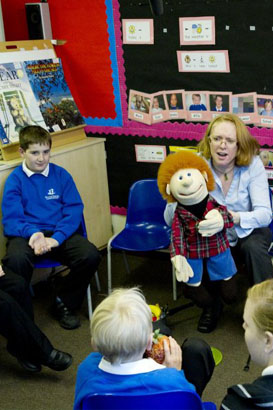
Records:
x=258, y=323
x=121, y=326
x=34, y=134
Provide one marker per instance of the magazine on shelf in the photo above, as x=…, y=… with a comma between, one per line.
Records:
x=18, y=105
x=53, y=96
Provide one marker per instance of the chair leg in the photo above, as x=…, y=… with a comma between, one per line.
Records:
x=126, y=262
x=89, y=301
x=174, y=284
x=97, y=281
x=109, y=273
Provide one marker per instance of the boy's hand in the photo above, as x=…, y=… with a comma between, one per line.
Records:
x=173, y=354
x=38, y=243
x=2, y=273
x=51, y=243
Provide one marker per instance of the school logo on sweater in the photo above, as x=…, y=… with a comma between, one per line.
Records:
x=51, y=194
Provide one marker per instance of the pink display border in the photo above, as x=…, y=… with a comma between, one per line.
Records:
x=181, y=32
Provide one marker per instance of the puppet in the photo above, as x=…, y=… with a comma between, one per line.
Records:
x=198, y=222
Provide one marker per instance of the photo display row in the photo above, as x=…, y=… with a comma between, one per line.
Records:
x=251, y=108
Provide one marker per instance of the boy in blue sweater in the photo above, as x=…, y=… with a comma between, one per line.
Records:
x=121, y=330
x=42, y=212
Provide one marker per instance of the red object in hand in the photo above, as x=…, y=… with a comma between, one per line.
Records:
x=157, y=352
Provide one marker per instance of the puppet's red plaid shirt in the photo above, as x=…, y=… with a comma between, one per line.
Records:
x=187, y=241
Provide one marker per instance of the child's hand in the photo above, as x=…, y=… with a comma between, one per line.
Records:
x=38, y=243
x=51, y=243
x=2, y=273
x=173, y=354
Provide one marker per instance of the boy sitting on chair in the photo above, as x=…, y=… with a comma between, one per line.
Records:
x=121, y=330
x=42, y=212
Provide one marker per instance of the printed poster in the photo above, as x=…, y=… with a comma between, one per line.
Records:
x=18, y=105
x=53, y=96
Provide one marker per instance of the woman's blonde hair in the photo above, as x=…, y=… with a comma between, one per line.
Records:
x=121, y=325
x=261, y=295
x=248, y=146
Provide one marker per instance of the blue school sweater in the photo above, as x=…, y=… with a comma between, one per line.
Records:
x=40, y=203
x=91, y=379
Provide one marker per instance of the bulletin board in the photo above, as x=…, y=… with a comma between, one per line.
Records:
x=241, y=27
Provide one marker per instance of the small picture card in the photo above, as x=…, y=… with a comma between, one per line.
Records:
x=219, y=103
x=265, y=110
x=245, y=106
x=175, y=104
x=203, y=61
x=266, y=156
x=197, y=30
x=159, y=110
x=139, y=108
x=138, y=31
x=196, y=103
x=150, y=153
x=174, y=148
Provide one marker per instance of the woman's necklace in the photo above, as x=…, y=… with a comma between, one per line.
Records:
x=227, y=173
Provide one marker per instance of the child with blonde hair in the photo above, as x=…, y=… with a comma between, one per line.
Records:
x=121, y=330
x=258, y=327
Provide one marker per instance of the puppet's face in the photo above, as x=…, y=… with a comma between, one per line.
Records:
x=188, y=186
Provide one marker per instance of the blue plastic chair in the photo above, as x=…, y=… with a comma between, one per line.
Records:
x=145, y=229
x=44, y=262
x=270, y=250
x=171, y=400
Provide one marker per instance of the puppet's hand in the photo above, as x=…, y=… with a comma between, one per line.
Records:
x=182, y=268
x=212, y=224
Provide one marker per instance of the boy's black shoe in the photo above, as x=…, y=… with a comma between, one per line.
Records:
x=30, y=367
x=59, y=360
x=209, y=318
x=65, y=317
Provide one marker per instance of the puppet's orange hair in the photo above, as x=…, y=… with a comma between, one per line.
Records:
x=181, y=160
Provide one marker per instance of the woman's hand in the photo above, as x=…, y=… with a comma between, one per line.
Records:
x=235, y=216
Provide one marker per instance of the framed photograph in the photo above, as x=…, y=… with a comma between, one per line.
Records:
x=159, y=109
x=175, y=104
x=245, y=106
x=139, y=107
x=220, y=102
x=196, y=103
x=265, y=110
x=197, y=30
x=266, y=156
